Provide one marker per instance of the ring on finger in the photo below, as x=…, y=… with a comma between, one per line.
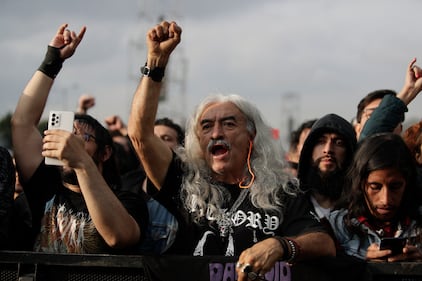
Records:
x=239, y=264
x=247, y=268
x=255, y=276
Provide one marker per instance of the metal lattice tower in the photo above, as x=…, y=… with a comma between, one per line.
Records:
x=290, y=114
x=173, y=101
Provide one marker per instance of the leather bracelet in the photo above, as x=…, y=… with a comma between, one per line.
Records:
x=291, y=249
x=285, y=246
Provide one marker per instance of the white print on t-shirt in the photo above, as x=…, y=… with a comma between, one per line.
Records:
x=268, y=224
x=65, y=231
x=71, y=226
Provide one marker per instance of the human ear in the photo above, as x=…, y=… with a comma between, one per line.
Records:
x=107, y=153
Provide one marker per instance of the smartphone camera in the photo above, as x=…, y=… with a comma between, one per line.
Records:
x=54, y=119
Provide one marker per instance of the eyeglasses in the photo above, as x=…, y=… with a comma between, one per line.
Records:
x=367, y=112
x=85, y=136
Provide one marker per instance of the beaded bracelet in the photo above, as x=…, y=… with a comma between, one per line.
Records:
x=291, y=249
x=295, y=249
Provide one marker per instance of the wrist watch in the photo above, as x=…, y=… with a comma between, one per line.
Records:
x=156, y=73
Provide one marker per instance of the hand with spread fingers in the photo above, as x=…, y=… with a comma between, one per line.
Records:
x=85, y=202
x=412, y=83
x=67, y=41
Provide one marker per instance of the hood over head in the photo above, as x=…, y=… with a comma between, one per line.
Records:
x=330, y=123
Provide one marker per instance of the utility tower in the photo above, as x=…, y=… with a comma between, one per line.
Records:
x=290, y=114
x=173, y=103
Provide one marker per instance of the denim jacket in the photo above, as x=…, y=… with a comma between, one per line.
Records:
x=356, y=246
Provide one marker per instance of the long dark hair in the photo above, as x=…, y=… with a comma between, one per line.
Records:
x=381, y=151
x=103, y=139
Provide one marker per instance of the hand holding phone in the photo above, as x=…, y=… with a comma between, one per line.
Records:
x=62, y=120
x=395, y=244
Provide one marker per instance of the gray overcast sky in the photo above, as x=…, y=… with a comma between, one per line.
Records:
x=298, y=58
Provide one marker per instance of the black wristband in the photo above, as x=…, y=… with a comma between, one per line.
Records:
x=52, y=62
x=285, y=246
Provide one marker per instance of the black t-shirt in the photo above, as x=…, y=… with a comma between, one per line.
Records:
x=61, y=221
x=7, y=189
x=247, y=224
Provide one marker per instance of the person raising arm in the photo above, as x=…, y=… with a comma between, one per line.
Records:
x=83, y=191
x=225, y=172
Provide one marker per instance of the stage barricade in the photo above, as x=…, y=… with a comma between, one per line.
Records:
x=29, y=266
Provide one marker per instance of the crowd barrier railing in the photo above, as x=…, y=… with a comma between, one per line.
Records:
x=30, y=266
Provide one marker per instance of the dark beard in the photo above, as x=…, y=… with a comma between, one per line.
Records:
x=329, y=185
x=69, y=176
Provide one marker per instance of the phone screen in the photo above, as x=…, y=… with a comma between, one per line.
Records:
x=396, y=245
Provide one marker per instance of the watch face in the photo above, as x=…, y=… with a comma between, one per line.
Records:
x=156, y=74
x=145, y=70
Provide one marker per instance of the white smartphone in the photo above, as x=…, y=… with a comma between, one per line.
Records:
x=62, y=120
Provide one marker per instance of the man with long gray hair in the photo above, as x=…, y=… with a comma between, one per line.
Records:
x=227, y=187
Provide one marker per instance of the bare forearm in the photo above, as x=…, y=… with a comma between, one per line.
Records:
x=117, y=227
x=412, y=84
x=155, y=155
x=144, y=110
x=33, y=99
x=407, y=94
x=161, y=40
x=263, y=255
x=314, y=245
x=27, y=141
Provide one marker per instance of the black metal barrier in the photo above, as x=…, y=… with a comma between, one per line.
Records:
x=29, y=266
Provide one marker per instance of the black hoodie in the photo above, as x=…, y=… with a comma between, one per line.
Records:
x=330, y=123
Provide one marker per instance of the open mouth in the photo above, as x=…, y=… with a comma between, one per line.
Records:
x=219, y=149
